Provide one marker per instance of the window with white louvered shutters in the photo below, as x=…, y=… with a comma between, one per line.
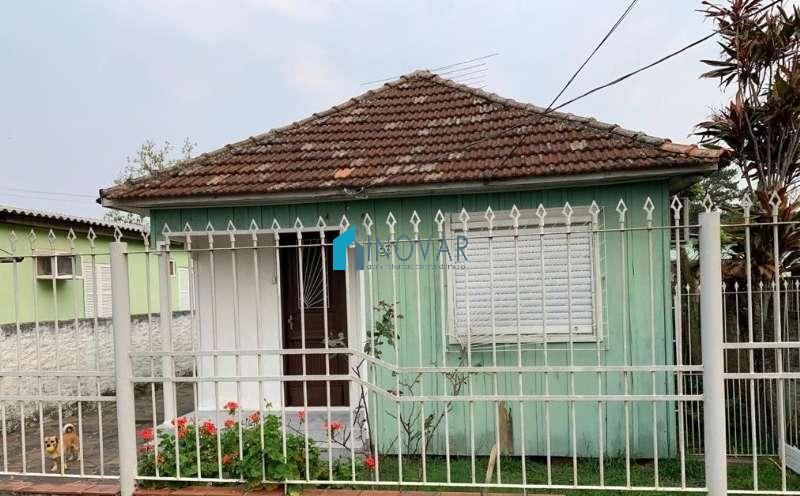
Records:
x=543, y=282
x=96, y=288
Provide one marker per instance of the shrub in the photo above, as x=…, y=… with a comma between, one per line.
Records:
x=257, y=452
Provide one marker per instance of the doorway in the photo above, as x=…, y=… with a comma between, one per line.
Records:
x=308, y=282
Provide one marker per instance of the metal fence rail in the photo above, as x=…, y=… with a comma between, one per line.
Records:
x=509, y=389
x=599, y=347
x=56, y=389
x=745, y=425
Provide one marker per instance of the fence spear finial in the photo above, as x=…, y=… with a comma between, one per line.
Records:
x=676, y=205
x=344, y=223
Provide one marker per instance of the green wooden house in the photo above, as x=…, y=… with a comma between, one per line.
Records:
x=549, y=254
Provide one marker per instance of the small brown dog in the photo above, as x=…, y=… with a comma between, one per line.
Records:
x=70, y=447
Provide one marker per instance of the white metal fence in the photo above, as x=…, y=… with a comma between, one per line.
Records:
x=572, y=349
x=51, y=379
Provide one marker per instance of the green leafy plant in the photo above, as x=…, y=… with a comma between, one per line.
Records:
x=384, y=332
x=364, y=469
x=247, y=450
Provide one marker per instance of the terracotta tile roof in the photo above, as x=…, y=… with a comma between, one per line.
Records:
x=420, y=129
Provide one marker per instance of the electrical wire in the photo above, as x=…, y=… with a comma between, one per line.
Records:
x=37, y=191
x=596, y=49
x=549, y=112
x=637, y=71
x=42, y=198
x=572, y=78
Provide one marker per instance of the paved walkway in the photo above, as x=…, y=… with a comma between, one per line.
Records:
x=97, y=424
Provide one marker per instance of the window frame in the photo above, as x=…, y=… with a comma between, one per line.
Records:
x=528, y=220
x=55, y=257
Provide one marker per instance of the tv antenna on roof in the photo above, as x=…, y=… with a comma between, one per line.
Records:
x=471, y=71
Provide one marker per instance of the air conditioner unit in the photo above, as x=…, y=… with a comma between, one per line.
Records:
x=56, y=266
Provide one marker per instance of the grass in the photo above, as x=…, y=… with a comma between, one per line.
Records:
x=642, y=474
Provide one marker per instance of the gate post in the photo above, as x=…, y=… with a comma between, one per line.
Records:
x=713, y=354
x=121, y=316
x=165, y=330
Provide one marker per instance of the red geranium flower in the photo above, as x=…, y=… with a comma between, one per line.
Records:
x=255, y=417
x=145, y=448
x=209, y=428
x=370, y=463
x=333, y=427
x=301, y=414
x=231, y=406
x=180, y=422
x=228, y=458
x=182, y=432
x=146, y=434
x=229, y=423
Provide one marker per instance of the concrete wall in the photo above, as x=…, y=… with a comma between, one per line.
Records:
x=69, y=348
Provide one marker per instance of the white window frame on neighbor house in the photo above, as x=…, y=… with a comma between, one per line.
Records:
x=54, y=257
x=528, y=225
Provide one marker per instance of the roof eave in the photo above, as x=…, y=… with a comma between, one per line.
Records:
x=433, y=189
x=65, y=224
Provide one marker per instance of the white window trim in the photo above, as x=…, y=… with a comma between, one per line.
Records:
x=528, y=221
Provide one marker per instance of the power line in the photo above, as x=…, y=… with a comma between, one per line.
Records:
x=43, y=198
x=548, y=112
x=37, y=191
x=658, y=61
x=602, y=42
x=637, y=71
x=572, y=78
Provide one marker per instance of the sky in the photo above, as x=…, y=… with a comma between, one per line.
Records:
x=84, y=83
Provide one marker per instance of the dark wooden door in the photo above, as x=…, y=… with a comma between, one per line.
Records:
x=308, y=313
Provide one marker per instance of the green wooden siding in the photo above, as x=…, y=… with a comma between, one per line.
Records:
x=64, y=299
x=639, y=319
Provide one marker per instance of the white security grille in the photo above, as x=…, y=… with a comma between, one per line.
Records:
x=538, y=283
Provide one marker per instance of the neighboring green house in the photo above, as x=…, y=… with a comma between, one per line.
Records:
x=413, y=148
x=44, y=276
